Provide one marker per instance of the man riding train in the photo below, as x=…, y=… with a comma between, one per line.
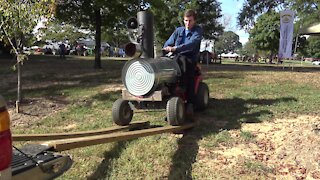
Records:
x=160, y=82
x=185, y=41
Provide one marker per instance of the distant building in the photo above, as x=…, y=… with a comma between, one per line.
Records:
x=207, y=45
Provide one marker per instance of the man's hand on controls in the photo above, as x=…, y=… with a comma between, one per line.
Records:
x=170, y=49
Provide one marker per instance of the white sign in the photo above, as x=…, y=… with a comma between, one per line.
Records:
x=286, y=34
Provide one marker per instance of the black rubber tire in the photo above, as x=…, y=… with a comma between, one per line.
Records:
x=121, y=112
x=202, y=97
x=175, y=111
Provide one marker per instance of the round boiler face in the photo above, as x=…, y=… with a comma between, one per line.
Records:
x=139, y=78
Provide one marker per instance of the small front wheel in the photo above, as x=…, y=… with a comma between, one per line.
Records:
x=121, y=112
x=175, y=111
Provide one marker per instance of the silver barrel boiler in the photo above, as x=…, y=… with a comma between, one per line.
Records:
x=141, y=77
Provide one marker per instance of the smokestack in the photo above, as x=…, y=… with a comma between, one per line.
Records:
x=145, y=20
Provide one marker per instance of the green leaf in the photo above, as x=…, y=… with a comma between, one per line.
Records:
x=14, y=67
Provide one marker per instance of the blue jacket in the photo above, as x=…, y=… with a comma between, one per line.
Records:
x=191, y=45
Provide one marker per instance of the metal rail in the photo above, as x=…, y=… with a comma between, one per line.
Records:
x=54, y=136
x=67, y=144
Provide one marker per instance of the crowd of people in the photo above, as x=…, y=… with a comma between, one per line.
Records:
x=115, y=52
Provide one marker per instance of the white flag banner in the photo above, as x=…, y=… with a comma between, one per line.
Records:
x=286, y=34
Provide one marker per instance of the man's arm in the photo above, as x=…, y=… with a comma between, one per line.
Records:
x=191, y=45
x=171, y=40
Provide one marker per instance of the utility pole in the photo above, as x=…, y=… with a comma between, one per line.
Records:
x=296, y=43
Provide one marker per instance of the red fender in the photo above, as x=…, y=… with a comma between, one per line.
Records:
x=197, y=81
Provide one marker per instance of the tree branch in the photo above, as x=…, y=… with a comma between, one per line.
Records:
x=7, y=36
x=315, y=5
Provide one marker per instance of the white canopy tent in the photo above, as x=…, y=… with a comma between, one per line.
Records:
x=310, y=30
x=229, y=55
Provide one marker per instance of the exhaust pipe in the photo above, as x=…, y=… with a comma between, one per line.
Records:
x=133, y=50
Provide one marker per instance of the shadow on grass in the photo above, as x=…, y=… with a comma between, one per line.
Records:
x=49, y=76
x=53, y=90
x=221, y=114
x=110, y=96
x=104, y=168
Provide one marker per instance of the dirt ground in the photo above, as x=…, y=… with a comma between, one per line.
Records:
x=32, y=110
x=284, y=148
x=35, y=109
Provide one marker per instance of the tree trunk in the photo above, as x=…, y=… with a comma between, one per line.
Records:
x=97, y=60
x=19, y=94
x=19, y=69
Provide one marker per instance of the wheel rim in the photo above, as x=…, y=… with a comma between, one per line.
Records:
x=126, y=112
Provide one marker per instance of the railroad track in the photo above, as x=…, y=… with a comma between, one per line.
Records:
x=66, y=141
x=55, y=136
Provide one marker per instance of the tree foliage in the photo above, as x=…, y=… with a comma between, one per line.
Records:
x=93, y=15
x=228, y=42
x=60, y=32
x=252, y=8
x=248, y=49
x=17, y=21
x=18, y=18
x=265, y=35
x=208, y=13
x=169, y=15
x=82, y=13
x=307, y=10
x=313, y=47
x=302, y=45
x=115, y=37
x=163, y=18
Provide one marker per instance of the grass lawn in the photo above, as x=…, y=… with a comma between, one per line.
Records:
x=69, y=95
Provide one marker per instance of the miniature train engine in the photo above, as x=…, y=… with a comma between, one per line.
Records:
x=153, y=83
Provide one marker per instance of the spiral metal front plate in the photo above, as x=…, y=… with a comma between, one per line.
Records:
x=139, y=78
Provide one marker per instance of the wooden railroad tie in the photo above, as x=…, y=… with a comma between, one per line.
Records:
x=67, y=144
x=68, y=135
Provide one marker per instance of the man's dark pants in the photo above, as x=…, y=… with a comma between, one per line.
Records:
x=188, y=69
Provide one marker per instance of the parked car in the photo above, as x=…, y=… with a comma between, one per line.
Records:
x=316, y=63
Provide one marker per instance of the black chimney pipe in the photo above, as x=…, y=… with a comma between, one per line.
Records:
x=145, y=26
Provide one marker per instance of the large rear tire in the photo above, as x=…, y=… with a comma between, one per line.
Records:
x=175, y=111
x=202, y=97
x=121, y=112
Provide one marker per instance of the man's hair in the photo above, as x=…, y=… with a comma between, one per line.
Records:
x=189, y=13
